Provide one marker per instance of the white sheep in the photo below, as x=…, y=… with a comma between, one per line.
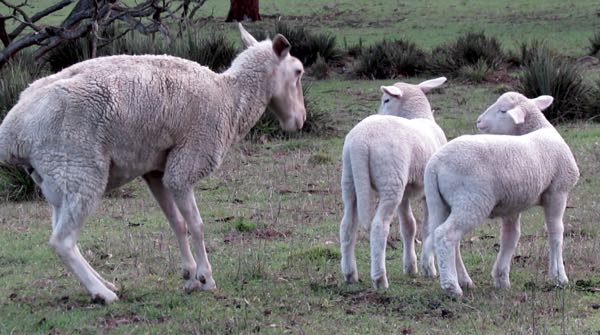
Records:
x=103, y=122
x=388, y=153
x=479, y=176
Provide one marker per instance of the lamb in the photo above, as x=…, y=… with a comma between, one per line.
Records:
x=524, y=163
x=103, y=122
x=387, y=152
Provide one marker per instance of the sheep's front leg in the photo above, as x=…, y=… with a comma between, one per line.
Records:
x=186, y=203
x=348, y=232
x=380, y=229
x=511, y=231
x=554, y=209
x=178, y=224
x=408, y=230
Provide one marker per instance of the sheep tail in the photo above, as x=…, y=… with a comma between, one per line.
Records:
x=362, y=184
x=437, y=207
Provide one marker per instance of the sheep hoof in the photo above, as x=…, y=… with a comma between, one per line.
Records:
x=380, y=283
x=428, y=271
x=453, y=291
x=411, y=270
x=111, y=286
x=468, y=284
x=104, y=299
x=199, y=285
x=563, y=282
x=501, y=283
x=351, y=278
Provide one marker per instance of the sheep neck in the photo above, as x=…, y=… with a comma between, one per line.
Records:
x=417, y=108
x=533, y=121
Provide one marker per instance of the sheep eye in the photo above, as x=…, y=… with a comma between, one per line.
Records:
x=386, y=101
x=502, y=111
x=298, y=72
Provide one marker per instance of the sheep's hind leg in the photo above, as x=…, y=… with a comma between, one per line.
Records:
x=511, y=231
x=69, y=220
x=408, y=230
x=554, y=209
x=464, y=280
x=167, y=204
x=186, y=203
x=380, y=229
x=447, y=241
x=348, y=232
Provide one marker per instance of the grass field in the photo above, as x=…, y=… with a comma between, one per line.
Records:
x=272, y=214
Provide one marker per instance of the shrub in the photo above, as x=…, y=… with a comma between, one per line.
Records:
x=306, y=46
x=476, y=72
x=391, y=59
x=320, y=69
x=593, y=103
x=67, y=54
x=16, y=185
x=468, y=49
x=546, y=73
x=318, y=122
x=594, y=44
x=14, y=78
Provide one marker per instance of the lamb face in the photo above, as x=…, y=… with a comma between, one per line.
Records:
x=510, y=111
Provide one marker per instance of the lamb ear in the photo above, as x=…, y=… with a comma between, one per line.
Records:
x=392, y=90
x=517, y=114
x=281, y=46
x=248, y=39
x=428, y=85
x=543, y=101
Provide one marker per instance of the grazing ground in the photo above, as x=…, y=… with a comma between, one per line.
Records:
x=272, y=213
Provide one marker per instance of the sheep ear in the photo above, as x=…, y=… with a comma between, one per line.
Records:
x=248, y=39
x=281, y=46
x=392, y=90
x=517, y=114
x=543, y=101
x=428, y=85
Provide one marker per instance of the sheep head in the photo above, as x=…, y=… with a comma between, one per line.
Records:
x=408, y=100
x=286, y=96
x=509, y=112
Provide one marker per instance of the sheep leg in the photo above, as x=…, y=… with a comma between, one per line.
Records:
x=447, y=242
x=167, y=204
x=69, y=221
x=186, y=203
x=461, y=271
x=408, y=230
x=380, y=229
x=348, y=234
x=554, y=209
x=511, y=231
x=433, y=219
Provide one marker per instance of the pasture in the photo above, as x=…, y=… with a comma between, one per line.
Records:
x=272, y=213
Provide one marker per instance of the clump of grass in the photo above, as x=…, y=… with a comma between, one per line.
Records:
x=306, y=46
x=391, y=59
x=316, y=254
x=477, y=72
x=318, y=122
x=133, y=43
x=243, y=225
x=14, y=78
x=594, y=47
x=355, y=50
x=67, y=54
x=468, y=49
x=16, y=185
x=320, y=69
x=213, y=50
x=547, y=74
x=592, y=105
x=320, y=158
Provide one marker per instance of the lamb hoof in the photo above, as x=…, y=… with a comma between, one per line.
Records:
x=563, y=282
x=501, y=283
x=452, y=291
x=411, y=270
x=468, y=284
x=199, y=285
x=111, y=286
x=428, y=271
x=351, y=278
x=380, y=283
x=104, y=299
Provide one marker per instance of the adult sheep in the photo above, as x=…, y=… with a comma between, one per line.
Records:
x=388, y=153
x=103, y=122
x=522, y=162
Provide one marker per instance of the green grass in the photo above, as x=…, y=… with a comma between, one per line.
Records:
x=272, y=214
